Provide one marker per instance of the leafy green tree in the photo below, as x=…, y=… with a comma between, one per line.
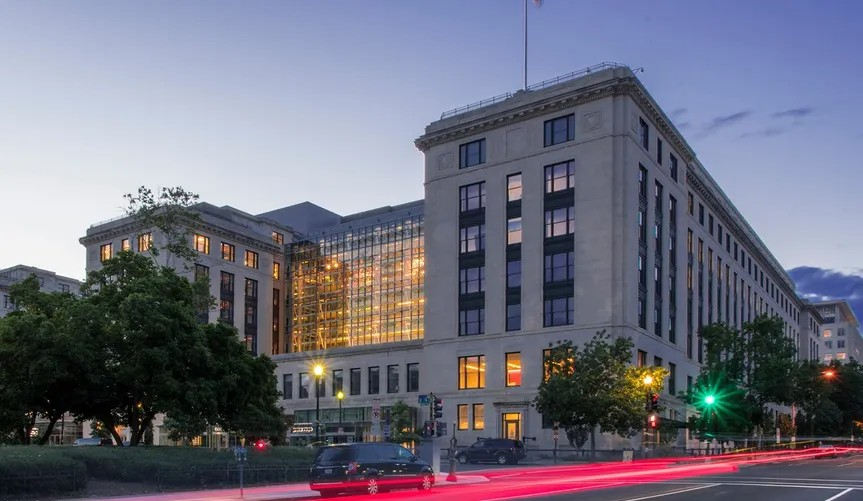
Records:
x=846, y=394
x=595, y=386
x=401, y=424
x=170, y=213
x=40, y=361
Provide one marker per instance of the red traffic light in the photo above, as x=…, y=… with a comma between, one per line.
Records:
x=653, y=420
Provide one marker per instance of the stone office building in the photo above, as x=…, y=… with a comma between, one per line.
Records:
x=570, y=208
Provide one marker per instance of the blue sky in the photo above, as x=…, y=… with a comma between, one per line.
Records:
x=259, y=105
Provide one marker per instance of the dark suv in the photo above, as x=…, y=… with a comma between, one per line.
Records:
x=369, y=468
x=499, y=450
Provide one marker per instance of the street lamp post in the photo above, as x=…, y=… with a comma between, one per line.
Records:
x=648, y=380
x=340, y=395
x=318, y=371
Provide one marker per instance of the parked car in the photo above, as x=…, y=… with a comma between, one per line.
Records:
x=498, y=450
x=369, y=468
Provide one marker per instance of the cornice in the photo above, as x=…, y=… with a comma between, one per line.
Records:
x=618, y=86
x=739, y=231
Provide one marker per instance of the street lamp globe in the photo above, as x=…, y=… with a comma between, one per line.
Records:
x=340, y=395
x=318, y=370
x=648, y=380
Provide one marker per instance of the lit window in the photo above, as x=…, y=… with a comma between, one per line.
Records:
x=513, y=187
x=513, y=369
x=472, y=153
x=840, y=356
x=251, y=259
x=471, y=372
x=827, y=333
x=251, y=288
x=278, y=238
x=106, y=251
x=559, y=177
x=226, y=310
x=145, y=242
x=559, y=130
x=276, y=271
x=461, y=410
x=478, y=417
x=553, y=363
x=513, y=231
x=202, y=244
x=125, y=244
x=227, y=252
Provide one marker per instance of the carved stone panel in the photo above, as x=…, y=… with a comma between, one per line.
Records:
x=445, y=161
x=592, y=121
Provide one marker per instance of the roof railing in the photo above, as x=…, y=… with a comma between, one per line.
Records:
x=537, y=86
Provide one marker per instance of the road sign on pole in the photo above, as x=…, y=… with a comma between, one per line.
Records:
x=423, y=400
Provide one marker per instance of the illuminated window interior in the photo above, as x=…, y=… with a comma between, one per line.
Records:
x=513, y=369
x=202, y=244
x=359, y=287
x=106, y=252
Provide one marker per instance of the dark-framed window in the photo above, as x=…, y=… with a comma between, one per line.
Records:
x=287, y=386
x=202, y=244
x=559, y=130
x=472, y=196
x=558, y=311
x=659, y=151
x=251, y=315
x=278, y=238
x=471, y=280
x=513, y=369
x=471, y=372
x=513, y=230
x=560, y=221
x=338, y=381
x=106, y=252
x=462, y=417
x=226, y=283
x=356, y=384
x=471, y=238
x=478, y=416
x=513, y=187
x=413, y=377
x=672, y=378
x=201, y=272
x=125, y=244
x=374, y=380
x=251, y=259
x=226, y=310
x=513, y=273
x=471, y=322
x=304, y=385
x=673, y=167
x=472, y=153
x=559, y=267
x=145, y=241
x=645, y=134
x=513, y=317
x=251, y=287
x=228, y=252
x=560, y=176
x=392, y=379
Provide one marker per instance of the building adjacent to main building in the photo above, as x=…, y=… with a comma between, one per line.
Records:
x=48, y=282
x=550, y=214
x=840, y=332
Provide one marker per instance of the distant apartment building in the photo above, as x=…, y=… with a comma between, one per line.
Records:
x=840, y=333
x=48, y=282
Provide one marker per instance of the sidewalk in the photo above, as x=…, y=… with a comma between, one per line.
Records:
x=268, y=493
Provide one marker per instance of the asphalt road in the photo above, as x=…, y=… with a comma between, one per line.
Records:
x=811, y=480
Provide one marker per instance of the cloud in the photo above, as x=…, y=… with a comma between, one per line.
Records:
x=726, y=120
x=821, y=284
x=684, y=125
x=677, y=112
x=794, y=112
x=768, y=132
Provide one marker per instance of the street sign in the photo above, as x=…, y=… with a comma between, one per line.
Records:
x=376, y=413
x=423, y=400
x=386, y=430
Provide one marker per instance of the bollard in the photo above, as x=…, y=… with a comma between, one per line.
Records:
x=451, y=477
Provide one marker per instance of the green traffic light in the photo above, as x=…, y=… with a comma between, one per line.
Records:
x=709, y=399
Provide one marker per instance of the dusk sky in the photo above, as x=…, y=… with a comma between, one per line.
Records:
x=259, y=105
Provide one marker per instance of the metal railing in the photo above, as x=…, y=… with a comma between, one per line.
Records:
x=537, y=86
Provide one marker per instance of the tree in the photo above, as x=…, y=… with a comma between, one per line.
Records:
x=170, y=212
x=40, y=361
x=401, y=424
x=595, y=386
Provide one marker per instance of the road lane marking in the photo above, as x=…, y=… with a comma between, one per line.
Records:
x=847, y=464
x=671, y=493
x=846, y=491
x=772, y=484
x=554, y=493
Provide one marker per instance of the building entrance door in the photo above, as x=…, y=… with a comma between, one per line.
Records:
x=511, y=428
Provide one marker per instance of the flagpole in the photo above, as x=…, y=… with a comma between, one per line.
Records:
x=525, y=45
